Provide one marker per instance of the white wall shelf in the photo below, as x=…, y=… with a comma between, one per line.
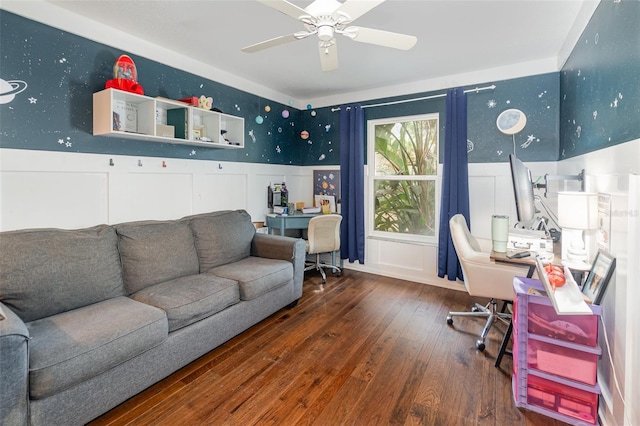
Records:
x=131, y=116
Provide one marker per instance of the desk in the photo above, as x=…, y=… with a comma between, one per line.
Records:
x=295, y=221
x=529, y=261
x=284, y=222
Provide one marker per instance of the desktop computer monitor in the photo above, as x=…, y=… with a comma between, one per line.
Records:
x=523, y=191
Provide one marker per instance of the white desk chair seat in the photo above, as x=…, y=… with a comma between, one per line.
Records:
x=482, y=277
x=323, y=237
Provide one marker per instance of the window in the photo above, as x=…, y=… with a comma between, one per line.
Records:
x=403, y=167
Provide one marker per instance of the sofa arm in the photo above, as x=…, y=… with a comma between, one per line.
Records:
x=285, y=248
x=14, y=369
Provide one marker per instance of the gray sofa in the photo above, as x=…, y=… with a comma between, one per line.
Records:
x=94, y=316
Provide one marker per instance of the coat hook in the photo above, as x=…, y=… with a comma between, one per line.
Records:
x=220, y=166
x=111, y=163
x=139, y=163
x=164, y=164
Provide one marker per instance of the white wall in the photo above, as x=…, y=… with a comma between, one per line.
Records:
x=71, y=190
x=616, y=171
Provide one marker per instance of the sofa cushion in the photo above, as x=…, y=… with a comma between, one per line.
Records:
x=256, y=275
x=190, y=299
x=153, y=252
x=47, y=271
x=74, y=346
x=222, y=237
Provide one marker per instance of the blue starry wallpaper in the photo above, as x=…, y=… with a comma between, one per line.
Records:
x=48, y=77
x=600, y=82
x=536, y=96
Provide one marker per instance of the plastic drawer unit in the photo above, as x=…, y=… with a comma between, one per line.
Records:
x=555, y=357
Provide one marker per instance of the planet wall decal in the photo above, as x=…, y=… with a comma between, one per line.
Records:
x=9, y=90
x=511, y=121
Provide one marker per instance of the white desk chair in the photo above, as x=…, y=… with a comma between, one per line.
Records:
x=482, y=277
x=323, y=237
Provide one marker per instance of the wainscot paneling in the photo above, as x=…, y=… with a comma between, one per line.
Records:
x=73, y=190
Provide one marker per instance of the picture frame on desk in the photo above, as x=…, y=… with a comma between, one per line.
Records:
x=599, y=276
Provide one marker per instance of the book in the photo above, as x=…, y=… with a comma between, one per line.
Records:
x=125, y=116
x=178, y=118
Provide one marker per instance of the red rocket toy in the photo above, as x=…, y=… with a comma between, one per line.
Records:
x=125, y=76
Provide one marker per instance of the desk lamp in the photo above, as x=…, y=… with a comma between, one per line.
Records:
x=578, y=217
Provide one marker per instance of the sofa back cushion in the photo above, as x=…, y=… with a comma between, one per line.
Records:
x=44, y=272
x=153, y=252
x=222, y=237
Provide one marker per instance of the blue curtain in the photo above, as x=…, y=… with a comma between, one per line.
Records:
x=352, y=182
x=455, y=181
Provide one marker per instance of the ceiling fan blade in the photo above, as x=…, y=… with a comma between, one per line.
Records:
x=328, y=56
x=285, y=7
x=356, y=8
x=270, y=43
x=381, y=38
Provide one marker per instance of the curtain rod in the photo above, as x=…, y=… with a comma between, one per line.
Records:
x=441, y=95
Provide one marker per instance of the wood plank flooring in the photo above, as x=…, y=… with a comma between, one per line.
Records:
x=359, y=350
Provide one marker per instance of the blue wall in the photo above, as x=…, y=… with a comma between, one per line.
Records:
x=600, y=105
x=52, y=109
x=53, y=75
x=537, y=96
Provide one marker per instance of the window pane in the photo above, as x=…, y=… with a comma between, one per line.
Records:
x=407, y=148
x=405, y=206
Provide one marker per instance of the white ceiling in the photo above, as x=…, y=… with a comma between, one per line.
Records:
x=454, y=37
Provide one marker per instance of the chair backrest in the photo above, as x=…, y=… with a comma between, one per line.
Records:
x=324, y=233
x=460, y=232
x=482, y=276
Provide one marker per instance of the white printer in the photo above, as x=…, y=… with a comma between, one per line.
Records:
x=525, y=239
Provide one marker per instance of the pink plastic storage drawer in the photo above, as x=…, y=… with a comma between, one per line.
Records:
x=563, y=361
x=580, y=329
x=562, y=399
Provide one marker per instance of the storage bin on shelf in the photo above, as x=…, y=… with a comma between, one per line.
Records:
x=555, y=357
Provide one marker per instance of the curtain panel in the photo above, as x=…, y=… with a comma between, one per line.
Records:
x=352, y=235
x=455, y=181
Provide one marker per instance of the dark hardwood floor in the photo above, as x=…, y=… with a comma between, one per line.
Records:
x=359, y=350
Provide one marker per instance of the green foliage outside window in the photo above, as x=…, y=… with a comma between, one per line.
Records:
x=406, y=160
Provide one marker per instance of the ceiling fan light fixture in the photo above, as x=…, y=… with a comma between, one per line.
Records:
x=326, y=18
x=325, y=32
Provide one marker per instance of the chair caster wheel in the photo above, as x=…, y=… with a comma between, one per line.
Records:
x=480, y=345
x=449, y=320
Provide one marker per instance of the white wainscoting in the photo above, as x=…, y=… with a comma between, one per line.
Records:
x=615, y=171
x=70, y=190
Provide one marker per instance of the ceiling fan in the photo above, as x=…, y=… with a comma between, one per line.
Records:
x=326, y=18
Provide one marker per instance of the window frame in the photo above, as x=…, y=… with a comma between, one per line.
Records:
x=371, y=178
